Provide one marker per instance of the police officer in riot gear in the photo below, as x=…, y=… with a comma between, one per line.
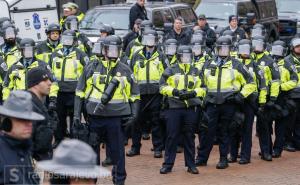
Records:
x=288, y=81
x=47, y=47
x=170, y=47
x=225, y=92
x=181, y=85
x=136, y=44
x=67, y=65
x=83, y=43
x=106, y=30
x=199, y=53
x=111, y=97
x=272, y=76
x=16, y=75
x=243, y=134
x=148, y=66
x=292, y=138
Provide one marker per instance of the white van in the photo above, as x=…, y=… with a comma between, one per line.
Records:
x=31, y=17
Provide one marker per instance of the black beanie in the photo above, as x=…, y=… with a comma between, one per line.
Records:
x=35, y=76
x=232, y=17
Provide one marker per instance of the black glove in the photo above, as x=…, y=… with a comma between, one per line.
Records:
x=80, y=130
x=271, y=102
x=239, y=98
x=187, y=95
x=52, y=103
x=176, y=92
x=53, y=120
x=130, y=121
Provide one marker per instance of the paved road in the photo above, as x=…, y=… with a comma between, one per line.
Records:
x=144, y=170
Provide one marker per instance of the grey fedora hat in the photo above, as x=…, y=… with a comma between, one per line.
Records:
x=74, y=158
x=19, y=105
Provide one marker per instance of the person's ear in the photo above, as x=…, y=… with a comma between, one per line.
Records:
x=6, y=124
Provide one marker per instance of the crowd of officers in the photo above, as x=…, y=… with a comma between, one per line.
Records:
x=182, y=83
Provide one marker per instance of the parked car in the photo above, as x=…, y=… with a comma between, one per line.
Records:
x=248, y=11
x=117, y=15
x=289, y=17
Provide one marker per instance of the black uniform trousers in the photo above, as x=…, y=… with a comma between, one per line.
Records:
x=180, y=121
x=219, y=117
x=244, y=136
x=149, y=111
x=110, y=129
x=292, y=135
x=65, y=108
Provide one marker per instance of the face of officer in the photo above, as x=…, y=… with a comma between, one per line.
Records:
x=178, y=25
x=103, y=34
x=297, y=50
x=67, y=12
x=54, y=35
x=21, y=129
x=141, y=2
x=10, y=36
x=201, y=23
x=233, y=23
x=28, y=52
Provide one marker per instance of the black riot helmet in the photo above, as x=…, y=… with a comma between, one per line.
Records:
x=258, y=30
x=150, y=38
x=223, y=46
x=279, y=49
x=230, y=34
x=184, y=54
x=71, y=23
x=112, y=46
x=109, y=30
x=198, y=34
x=146, y=24
x=27, y=47
x=258, y=44
x=9, y=31
x=198, y=46
x=68, y=38
x=53, y=27
x=170, y=47
x=244, y=48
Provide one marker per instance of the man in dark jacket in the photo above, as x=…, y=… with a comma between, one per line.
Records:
x=233, y=26
x=38, y=83
x=133, y=34
x=15, y=139
x=178, y=33
x=210, y=34
x=137, y=11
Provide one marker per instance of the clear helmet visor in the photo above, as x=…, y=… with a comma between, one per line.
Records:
x=160, y=39
x=258, y=45
x=223, y=51
x=170, y=49
x=28, y=52
x=113, y=51
x=296, y=42
x=67, y=40
x=186, y=58
x=73, y=25
x=97, y=48
x=278, y=51
x=10, y=33
x=197, y=36
x=244, y=49
x=256, y=32
x=148, y=40
x=197, y=50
